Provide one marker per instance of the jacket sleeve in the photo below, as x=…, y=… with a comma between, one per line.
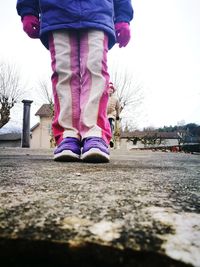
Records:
x=123, y=11
x=28, y=7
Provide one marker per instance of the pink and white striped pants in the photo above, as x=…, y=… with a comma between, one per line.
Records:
x=80, y=84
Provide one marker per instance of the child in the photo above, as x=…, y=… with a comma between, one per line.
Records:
x=78, y=35
x=113, y=110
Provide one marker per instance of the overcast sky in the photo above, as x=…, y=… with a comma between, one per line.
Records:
x=164, y=53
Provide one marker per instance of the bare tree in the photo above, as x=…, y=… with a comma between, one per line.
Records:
x=10, y=90
x=130, y=94
x=45, y=91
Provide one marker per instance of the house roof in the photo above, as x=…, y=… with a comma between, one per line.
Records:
x=10, y=136
x=44, y=111
x=141, y=134
x=34, y=126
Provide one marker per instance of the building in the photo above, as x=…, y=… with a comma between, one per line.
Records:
x=41, y=132
x=149, y=140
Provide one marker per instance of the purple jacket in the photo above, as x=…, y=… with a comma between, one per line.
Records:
x=77, y=14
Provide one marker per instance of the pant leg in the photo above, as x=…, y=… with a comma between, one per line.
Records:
x=94, y=85
x=64, y=49
x=112, y=127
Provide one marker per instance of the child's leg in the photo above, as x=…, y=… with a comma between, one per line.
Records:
x=94, y=85
x=64, y=49
x=111, y=121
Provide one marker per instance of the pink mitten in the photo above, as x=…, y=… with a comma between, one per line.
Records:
x=123, y=33
x=31, y=26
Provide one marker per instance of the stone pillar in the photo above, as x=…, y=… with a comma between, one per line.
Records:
x=26, y=123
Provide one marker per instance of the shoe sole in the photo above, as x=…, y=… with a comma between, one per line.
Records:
x=67, y=156
x=95, y=155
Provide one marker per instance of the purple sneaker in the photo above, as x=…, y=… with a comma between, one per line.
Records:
x=68, y=150
x=95, y=150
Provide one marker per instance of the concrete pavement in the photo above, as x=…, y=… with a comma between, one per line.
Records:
x=141, y=209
